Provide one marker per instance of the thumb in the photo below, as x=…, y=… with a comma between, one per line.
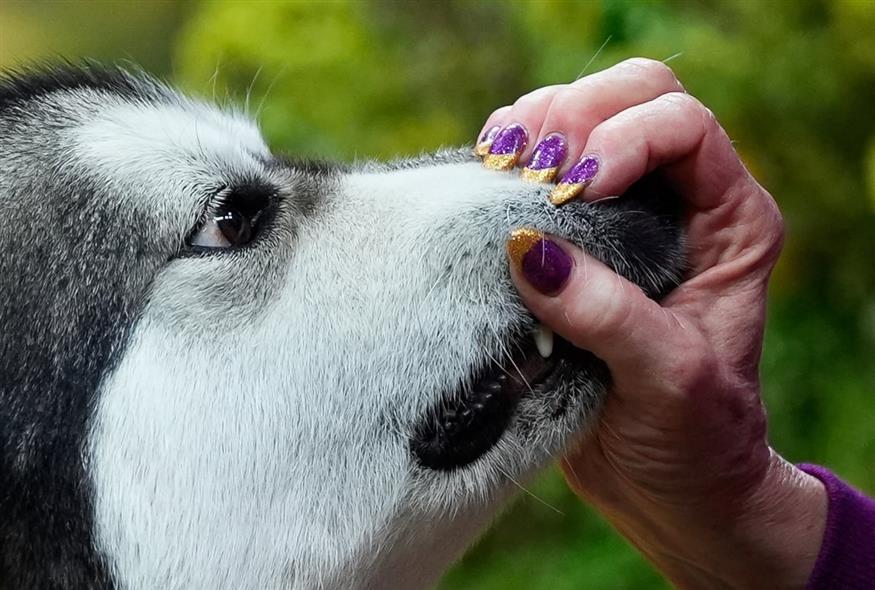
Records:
x=589, y=305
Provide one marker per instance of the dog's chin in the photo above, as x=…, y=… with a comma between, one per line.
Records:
x=466, y=423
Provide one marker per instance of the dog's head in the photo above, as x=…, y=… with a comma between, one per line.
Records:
x=223, y=369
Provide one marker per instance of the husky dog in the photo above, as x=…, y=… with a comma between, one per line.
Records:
x=222, y=369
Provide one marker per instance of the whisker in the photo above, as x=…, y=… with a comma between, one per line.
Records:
x=599, y=194
x=213, y=79
x=268, y=91
x=520, y=373
x=440, y=278
x=509, y=356
x=570, y=467
x=251, y=86
x=593, y=58
x=529, y=492
x=424, y=301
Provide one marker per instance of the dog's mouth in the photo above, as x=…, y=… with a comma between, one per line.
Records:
x=468, y=422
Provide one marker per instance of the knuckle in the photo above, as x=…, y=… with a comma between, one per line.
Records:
x=605, y=135
x=692, y=109
x=774, y=231
x=536, y=96
x=610, y=317
x=777, y=226
x=570, y=98
x=499, y=114
x=569, y=103
x=502, y=111
x=686, y=103
x=611, y=320
x=651, y=68
x=687, y=373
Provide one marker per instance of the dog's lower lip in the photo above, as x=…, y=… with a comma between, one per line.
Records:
x=465, y=425
x=519, y=376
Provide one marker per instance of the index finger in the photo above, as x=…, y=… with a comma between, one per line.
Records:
x=674, y=132
x=732, y=218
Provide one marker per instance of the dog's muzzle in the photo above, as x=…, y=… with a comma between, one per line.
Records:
x=468, y=422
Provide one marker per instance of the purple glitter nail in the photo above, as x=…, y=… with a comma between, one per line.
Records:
x=511, y=140
x=489, y=134
x=583, y=172
x=546, y=266
x=549, y=153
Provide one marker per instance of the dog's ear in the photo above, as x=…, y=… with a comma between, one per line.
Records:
x=24, y=86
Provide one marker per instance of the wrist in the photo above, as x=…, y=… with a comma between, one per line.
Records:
x=786, y=521
x=769, y=538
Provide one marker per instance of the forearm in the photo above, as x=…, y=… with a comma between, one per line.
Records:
x=769, y=539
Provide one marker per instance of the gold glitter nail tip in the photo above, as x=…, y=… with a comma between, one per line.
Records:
x=564, y=192
x=482, y=149
x=500, y=161
x=521, y=241
x=544, y=175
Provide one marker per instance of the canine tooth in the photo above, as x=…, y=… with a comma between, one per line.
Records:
x=544, y=340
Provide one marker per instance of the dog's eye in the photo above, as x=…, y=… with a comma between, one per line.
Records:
x=227, y=228
x=231, y=224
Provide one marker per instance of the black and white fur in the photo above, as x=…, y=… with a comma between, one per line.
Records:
x=179, y=418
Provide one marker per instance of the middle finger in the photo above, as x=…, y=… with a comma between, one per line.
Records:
x=578, y=108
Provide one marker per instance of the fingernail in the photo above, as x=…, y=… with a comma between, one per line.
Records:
x=506, y=148
x=545, y=162
x=575, y=180
x=540, y=260
x=485, y=141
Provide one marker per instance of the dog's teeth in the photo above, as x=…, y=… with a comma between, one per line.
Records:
x=544, y=340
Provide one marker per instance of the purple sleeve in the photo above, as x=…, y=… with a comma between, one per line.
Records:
x=847, y=553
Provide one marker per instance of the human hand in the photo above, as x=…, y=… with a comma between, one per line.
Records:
x=679, y=461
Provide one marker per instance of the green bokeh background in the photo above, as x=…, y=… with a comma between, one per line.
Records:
x=792, y=81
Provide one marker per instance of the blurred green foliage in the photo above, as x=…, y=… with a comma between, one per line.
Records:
x=792, y=81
